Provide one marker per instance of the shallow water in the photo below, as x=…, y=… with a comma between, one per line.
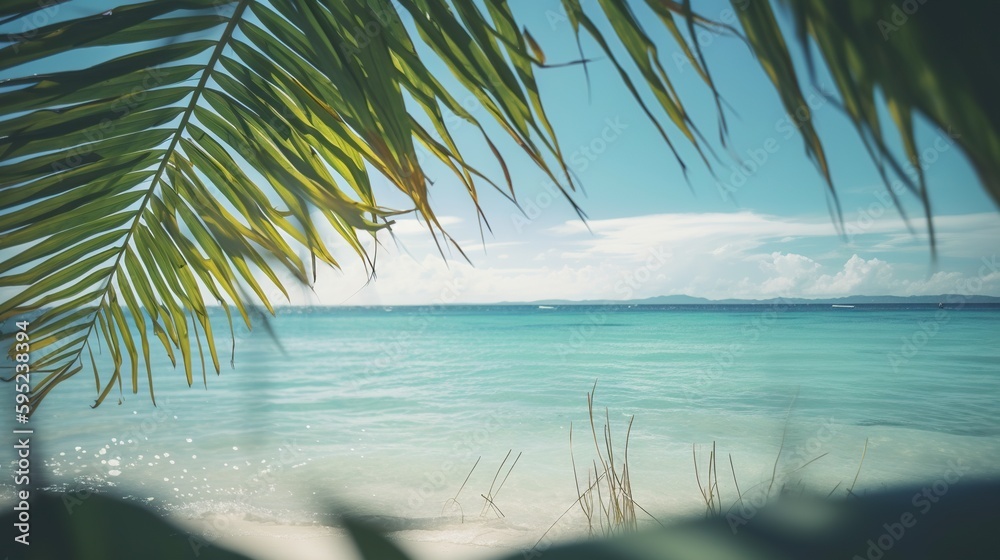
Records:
x=385, y=411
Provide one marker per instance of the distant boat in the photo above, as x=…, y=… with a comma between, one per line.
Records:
x=545, y=307
x=940, y=306
x=844, y=306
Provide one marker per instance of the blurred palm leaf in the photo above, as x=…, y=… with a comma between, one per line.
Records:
x=79, y=525
x=372, y=544
x=208, y=144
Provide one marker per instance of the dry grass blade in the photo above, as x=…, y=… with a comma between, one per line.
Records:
x=490, y=496
x=506, y=476
x=809, y=462
x=706, y=489
x=850, y=490
x=739, y=494
x=584, y=499
x=587, y=491
x=454, y=500
x=710, y=490
x=781, y=447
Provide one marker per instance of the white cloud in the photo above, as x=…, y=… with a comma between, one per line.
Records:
x=858, y=276
x=788, y=273
x=722, y=233
x=793, y=275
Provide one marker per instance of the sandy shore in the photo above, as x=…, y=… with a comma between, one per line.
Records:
x=269, y=541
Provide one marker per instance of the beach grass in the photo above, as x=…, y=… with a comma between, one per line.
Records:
x=606, y=501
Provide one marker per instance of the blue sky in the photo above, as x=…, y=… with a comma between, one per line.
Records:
x=756, y=230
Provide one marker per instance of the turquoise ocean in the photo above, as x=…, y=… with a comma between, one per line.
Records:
x=384, y=411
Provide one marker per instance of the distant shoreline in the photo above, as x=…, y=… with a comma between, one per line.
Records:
x=714, y=305
x=949, y=300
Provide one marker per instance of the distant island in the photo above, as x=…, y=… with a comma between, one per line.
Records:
x=948, y=299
